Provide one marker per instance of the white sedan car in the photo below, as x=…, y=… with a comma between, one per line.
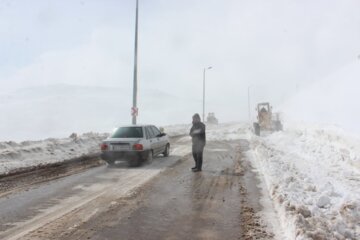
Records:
x=134, y=144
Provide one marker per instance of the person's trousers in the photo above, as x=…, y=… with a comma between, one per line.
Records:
x=197, y=152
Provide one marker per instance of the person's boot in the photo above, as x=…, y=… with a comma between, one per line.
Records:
x=195, y=159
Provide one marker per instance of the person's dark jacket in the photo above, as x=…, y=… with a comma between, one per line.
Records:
x=197, y=132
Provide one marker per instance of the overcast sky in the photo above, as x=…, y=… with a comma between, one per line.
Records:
x=276, y=47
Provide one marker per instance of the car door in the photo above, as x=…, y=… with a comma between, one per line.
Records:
x=151, y=137
x=160, y=140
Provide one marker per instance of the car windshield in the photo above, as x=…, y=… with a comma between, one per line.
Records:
x=128, y=132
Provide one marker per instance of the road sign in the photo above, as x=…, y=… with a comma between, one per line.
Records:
x=134, y=111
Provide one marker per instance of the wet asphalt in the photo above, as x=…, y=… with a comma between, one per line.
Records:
x=173, y=203
x=24, y=208
x=181, y=204
x=185, y=205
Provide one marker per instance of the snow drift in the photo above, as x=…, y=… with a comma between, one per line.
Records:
x=313, y=177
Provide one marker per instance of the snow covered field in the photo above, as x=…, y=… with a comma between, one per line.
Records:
x=313, y=177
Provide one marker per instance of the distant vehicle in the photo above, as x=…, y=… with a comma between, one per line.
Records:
x=212, y=119
x=135, y=144
x=266, y=119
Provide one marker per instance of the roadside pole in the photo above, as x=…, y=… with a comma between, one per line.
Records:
x=134, y=109
x=203, y=115
x=249, y=105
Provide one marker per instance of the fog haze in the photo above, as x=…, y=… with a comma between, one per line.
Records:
x=67, y=66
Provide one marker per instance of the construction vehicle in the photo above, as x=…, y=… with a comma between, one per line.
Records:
x=267, y=121
x=212, y=119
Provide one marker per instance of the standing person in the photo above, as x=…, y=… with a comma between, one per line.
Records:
x=198, y=136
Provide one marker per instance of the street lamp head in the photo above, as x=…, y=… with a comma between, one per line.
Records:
x=209, y=67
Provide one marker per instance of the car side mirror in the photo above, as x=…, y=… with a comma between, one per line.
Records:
x=161, y=135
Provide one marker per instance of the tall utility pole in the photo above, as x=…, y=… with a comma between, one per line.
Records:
x=134, y=108
x=204, y=92
x=249, y=104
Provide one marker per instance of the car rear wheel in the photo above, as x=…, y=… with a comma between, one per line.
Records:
x=134, y=163
x=150, y=156
x=110, y=163
x=167, y=150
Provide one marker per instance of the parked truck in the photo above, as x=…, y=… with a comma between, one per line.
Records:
x=212, y=119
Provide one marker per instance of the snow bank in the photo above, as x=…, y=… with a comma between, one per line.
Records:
x=35, y=153
x=313, y=177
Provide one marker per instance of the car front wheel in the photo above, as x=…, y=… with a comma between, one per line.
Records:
x=167, y=150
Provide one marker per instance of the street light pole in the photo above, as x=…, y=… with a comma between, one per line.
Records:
x=134, y=108
x=204, y=91
x=249, y=104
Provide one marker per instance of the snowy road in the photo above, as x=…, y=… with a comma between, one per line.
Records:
x=302, y=183
x=25, y=211
x=221, y=202
x=218, y=203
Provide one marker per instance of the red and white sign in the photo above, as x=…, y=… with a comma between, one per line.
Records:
x=134, y=111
